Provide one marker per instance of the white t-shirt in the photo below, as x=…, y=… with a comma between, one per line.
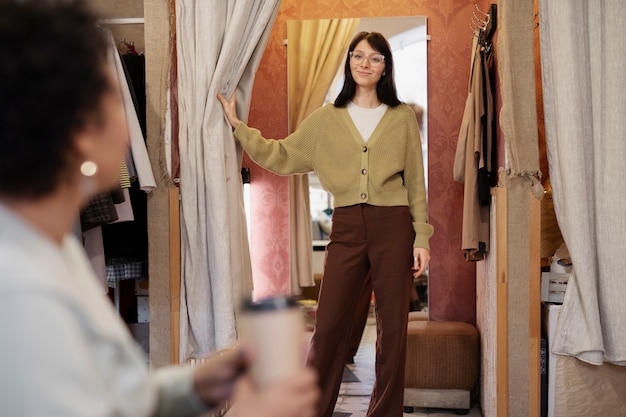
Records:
x=65, y=352
x=365, y=119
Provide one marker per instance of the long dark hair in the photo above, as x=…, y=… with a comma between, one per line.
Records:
x=386, y=87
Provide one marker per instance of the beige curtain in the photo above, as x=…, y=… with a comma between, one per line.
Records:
x=584, y=92
x=219, y=46
x=316, y=50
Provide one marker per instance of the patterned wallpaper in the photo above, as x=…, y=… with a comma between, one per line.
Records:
x=452, y=284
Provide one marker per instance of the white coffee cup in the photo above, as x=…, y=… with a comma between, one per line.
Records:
x=273, y=329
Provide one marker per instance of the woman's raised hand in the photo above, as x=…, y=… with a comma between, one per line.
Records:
x=230, y=109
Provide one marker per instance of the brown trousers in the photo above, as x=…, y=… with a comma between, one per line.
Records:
x=375, y=241
x=361, y=312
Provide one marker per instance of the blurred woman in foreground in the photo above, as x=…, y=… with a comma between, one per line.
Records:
x=63, y=350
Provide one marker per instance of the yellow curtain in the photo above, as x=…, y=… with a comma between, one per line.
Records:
x=316, y=49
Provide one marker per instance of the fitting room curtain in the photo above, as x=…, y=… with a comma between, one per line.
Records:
x=584, y=91
x=315, y=51
x=219, y=47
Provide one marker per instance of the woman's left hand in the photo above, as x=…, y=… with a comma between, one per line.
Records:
x=421, y=258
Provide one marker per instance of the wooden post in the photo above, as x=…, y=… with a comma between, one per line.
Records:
x=534, y=296
x=502, y=347
x=175, y=275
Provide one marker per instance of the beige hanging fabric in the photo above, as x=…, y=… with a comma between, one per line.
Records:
x=219, y=47
x=518, y=116
x=138, y=149
x=584, y=92
x=321, y=46
x=476, y=128
x=300, y=239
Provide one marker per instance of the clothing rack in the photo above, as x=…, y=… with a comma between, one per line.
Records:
x=484, y=25
x=122, y=21
x=128, y=46
x=491, y=25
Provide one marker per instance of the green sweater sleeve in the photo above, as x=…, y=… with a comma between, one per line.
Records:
x=292, y=155
x=415, y=184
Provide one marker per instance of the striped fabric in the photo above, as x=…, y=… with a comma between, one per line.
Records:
x=124, y=176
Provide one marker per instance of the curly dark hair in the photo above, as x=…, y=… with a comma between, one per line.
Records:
x=386, y=87
x=52, y=80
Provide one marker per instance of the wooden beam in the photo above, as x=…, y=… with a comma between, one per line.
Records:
x=534, y=299
x=175, y=265
x=502, y=345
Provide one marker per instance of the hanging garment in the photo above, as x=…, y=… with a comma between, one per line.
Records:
x=137, y=141
x=99, y=211
x=485, y=177
x=124, y=175
x=124, y=209
x=135, y=70
x=127, y=242
x=473, y=156
x=124, y=271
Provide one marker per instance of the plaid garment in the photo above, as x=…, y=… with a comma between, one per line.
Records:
x=99, y=211
x=124, y=271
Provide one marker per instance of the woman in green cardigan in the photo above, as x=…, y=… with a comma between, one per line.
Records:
x=366, y=150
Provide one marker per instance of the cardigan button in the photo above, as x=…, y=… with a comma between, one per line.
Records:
x=363, y=196
x=365, y=149
x=364, y=171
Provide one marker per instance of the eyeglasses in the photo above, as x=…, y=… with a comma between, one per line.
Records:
x=375, y=60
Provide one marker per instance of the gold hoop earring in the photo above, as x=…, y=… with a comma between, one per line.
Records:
x=89, y=168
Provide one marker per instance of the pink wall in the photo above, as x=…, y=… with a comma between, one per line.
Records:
x=452, y=280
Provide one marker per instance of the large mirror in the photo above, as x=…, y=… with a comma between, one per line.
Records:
x=317, y=79
x=315, y=58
